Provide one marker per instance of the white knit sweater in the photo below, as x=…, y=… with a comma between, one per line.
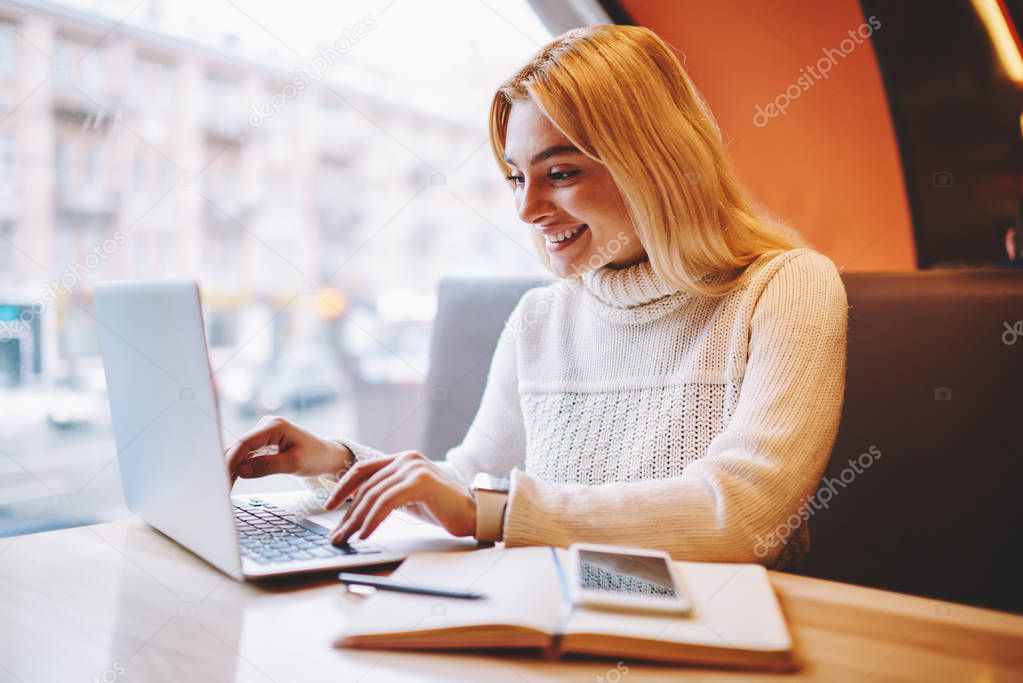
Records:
x=632, y=414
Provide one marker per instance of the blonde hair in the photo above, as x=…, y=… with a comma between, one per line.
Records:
x=621, y=96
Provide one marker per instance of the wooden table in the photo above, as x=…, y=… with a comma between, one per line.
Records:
x=119, y=603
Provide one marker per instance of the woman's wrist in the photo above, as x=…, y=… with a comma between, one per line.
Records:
x=341, y=458
x=473, y=512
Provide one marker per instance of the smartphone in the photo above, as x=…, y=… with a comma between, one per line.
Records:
x=625, y=579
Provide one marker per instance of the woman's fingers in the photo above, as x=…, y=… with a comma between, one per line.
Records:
x=265, y=465
x=351, y=480
x=398, y=465
x=266, y=432
x=407, y=480
x=389, y=501
x=358, y=511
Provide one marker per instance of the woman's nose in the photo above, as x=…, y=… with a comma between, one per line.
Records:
x=534, y=205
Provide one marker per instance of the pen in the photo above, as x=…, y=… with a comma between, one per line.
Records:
x=387, y=585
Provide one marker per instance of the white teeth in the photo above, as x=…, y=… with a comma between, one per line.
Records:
x=562, y=236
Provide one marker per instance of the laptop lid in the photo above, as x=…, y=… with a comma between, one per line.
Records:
x=165, y=417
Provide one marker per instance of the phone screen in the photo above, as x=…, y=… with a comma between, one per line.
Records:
x=622, y=574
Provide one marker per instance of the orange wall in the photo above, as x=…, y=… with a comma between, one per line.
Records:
x=829, y=166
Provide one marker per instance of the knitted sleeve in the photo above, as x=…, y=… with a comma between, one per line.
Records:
x=496, y=440
x=756, y=473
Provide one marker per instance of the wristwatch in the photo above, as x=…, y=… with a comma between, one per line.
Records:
x=491, y=493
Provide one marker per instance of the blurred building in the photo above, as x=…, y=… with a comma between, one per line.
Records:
x=128, y=153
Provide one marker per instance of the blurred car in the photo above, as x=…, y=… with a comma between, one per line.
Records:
x=305, y=376
x=79, y=402
x=73, y=410
x=399, y=354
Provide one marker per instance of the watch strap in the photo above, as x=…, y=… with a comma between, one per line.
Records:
x=490, y=507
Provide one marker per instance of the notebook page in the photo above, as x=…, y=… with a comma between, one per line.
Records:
x=520, y=585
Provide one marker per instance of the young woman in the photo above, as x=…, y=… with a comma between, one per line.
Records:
x=678, y=387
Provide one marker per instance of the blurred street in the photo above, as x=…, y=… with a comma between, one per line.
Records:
x=54, y=477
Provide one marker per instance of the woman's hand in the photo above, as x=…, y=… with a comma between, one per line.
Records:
x=276, y=446
x=409, y=478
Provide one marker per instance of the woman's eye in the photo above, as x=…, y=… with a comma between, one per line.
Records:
x=559, y=176
x=554, y=176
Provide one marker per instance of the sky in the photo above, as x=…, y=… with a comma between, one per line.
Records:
x=448, y=54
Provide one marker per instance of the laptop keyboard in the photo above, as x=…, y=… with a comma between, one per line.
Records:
x=268, y=534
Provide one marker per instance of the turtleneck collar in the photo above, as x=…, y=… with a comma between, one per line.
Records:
x=626, y=288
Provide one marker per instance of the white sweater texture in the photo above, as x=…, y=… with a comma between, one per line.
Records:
x=629, y=413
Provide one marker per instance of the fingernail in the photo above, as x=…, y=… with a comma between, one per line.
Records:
x=245, y=470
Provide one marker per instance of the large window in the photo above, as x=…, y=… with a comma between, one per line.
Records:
x=318, y=167
x=7, y=157
x=8, y=59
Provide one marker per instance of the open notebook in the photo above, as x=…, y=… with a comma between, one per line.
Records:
x=737, y=621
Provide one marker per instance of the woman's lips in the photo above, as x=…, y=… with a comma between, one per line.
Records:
x=564, y=244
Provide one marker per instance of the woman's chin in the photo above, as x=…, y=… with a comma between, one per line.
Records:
x=566, y=266
x=575, y=260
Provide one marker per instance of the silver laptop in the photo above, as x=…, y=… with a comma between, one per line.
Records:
x=171, y=456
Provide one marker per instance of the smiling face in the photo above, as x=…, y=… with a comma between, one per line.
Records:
x=567, y=196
